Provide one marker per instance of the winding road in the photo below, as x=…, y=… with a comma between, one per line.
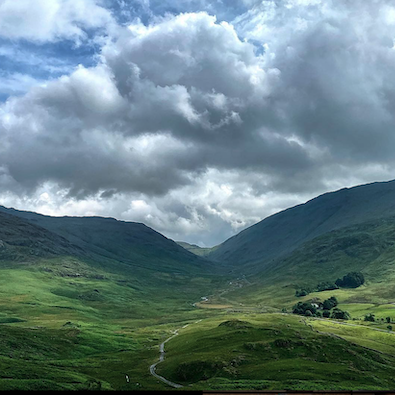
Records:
x=152, y=368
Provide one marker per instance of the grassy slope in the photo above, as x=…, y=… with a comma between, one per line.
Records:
x=272, y=351
x=130, y=243
x=367, y=247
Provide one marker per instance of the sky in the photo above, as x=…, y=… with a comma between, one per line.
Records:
x=198, y=118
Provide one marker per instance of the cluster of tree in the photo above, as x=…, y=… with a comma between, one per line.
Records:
x=326, y=286
x=336, y=313
x=312, y=309
x=369, y=317
x=304, y=308
x=351, y=280
x=330, y=303
x=302, y=292
x=340, y=314
x=322, y=286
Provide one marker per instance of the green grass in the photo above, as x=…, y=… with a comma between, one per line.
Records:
x=62, y=332
x=273, y=351
x=67, y=323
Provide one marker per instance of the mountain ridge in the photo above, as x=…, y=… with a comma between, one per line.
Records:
x=279, y=234
x=128, y=242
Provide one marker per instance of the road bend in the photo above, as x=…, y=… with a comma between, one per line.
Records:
x=152, y=368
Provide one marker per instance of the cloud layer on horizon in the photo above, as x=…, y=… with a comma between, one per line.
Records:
x=198, y=126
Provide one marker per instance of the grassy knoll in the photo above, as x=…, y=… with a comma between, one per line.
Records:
x=271, y=351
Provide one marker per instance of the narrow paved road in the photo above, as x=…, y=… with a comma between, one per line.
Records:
x=152, y=368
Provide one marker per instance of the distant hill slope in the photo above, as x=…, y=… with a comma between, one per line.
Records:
x=368, y=248
x=126, y=242
x=21, y=241
x=278, y=235
x=195, y=249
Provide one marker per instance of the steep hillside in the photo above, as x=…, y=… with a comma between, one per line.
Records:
x=278, y=235
x=127, y=242
x=22, y=242
x=368, y=248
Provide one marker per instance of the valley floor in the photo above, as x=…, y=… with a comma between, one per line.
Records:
x=59, y=332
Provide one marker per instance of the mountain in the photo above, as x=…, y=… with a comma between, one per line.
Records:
x=130, y=243
x=280, y=234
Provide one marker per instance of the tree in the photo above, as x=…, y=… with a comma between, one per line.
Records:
x=301, y=308
x=301, y=292
x=325, y=286
x=329, y=303
x=326, y=313
x=369, y=317
x=388, y=320
x=340, y=314
x=389, y=327
x=351, y=280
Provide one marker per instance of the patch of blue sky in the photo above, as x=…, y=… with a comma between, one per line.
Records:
x=23, y=62
x=15, y=84
x=125, y=11
x=259, y=48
